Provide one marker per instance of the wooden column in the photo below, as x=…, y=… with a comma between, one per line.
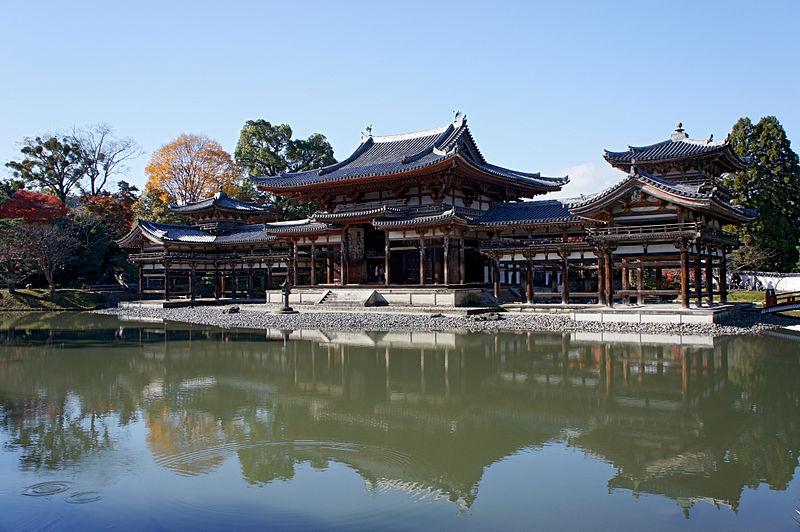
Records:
x=461, y=267
x=295, y=280
x=626, y=282
x=166, y=281
x=328, y=265
x=446, y=260
x=233, y=281
x=496, y=277
x=141, y=281
x=269, y=277
x=710, y=275
x=684, y=276
x=421, y=261
x=313, y=263
x=216, y=281
x=698, y=275
x=609, y=276
x=250, y=281
x=529, y=281
x=344, y=260
x=222, y=284
x=564, y=279
x=639, y=285
x=723, y=278
x=386, y=258
x=192, y=283
x=601, y=278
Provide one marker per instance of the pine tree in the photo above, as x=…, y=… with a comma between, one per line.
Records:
x=771, y=185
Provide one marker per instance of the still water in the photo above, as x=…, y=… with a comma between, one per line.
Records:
x=141, y=426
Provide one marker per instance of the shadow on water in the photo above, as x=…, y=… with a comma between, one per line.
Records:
x=692, y=419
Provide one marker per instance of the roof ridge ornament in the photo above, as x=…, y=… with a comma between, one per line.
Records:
x=679, y=133
x=459, y=118
x=367, y=133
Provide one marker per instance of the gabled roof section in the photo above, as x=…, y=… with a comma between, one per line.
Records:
x=427, y=218
x=293, y=227
x=697, y=197
x=158, y=233
x=527, y=212
x=219, y=201
x=678, y=147
x=380, y=156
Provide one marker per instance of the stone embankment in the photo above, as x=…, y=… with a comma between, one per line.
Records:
x=255, y=317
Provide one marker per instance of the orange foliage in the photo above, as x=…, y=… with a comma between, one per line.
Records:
x=191, y=168
x=33, y=207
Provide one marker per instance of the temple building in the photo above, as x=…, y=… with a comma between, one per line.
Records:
x=426, y=209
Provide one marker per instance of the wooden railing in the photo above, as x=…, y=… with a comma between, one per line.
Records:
x=177, y=256
x=531, y=242
x=631, y=230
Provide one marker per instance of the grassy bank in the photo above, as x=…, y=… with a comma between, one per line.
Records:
x=746, y=296
x=37, y=299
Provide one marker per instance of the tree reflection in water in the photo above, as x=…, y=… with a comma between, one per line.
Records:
x=427, y=413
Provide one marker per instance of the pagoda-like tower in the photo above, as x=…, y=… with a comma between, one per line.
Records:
x=222, y=213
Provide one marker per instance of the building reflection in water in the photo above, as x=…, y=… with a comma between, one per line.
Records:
x=424, y=412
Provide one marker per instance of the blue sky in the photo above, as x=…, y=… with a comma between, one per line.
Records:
x=545, y=86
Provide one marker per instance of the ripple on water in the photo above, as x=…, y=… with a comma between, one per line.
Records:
x=83, y=497
x=43, y=489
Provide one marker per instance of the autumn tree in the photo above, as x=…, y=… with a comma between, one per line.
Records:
x=51, y=246
x=15, y=259
x=771, y=185
x=191, y=168
x=33, y=207
x=54, y=164
x=265, y=150
x=104, y=155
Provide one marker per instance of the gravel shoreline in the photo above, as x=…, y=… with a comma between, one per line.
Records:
x=249, y=318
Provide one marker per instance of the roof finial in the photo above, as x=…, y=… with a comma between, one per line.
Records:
x=679, y=133
x=458, y=117
x=710, y=138
x=367, y=132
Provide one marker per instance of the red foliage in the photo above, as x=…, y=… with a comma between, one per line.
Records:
x=33, y=207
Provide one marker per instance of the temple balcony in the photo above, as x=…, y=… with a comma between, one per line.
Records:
x=160, y=257
x=690, y=231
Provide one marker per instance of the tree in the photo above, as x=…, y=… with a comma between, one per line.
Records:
x=53, y=164
x=8, y=187
x=191, y=168
x=104, y=155
x=15, y=258
x=152, y=207
x=33, y=207
x=116, y=210
x=51, y=246
x=267, y=150
x=771, y=185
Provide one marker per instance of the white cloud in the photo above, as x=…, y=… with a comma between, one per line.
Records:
x=588, y=178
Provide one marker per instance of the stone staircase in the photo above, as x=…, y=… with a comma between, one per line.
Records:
x=348, y=298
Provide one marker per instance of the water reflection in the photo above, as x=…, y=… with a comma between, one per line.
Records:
x=690, y=419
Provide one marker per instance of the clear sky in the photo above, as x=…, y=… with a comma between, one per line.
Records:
x=545, y=86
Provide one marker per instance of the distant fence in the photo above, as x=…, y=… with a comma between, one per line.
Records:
x=781, y=282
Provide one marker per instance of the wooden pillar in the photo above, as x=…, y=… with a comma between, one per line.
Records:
x=141, y=281
x=386, y=258
x=192, y=275
x=233, y=280
x=166, y=281
x=344, y=260
x=640, y=285
x=421, y=261
x=216, y=281
x=222, y=284
x=461, y=267
x=496, y=277
x=529, y=281
x=609, y=277
x=446, y=260
x=313, y=263
x=710, y=275
x=684, y=276
x=269, y=277
x=250, y=281
x=564, y=279
x=328, y=265
x=601, y=278
x=626, y=282
x=723, y=278
x=698, y=275
x=295, y=279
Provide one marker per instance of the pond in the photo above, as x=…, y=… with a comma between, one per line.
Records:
x=142, y=426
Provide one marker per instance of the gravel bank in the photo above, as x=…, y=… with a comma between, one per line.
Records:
x=745, y=323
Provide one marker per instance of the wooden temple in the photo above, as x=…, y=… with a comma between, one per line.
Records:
x=426, y=209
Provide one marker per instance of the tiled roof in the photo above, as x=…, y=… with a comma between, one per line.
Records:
x=501, y=214
x=296, y=226
x=219, y=201
x=357, y=213
x=190, y=235
x=679, y=146
x=451, y=214
x=381, y=156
